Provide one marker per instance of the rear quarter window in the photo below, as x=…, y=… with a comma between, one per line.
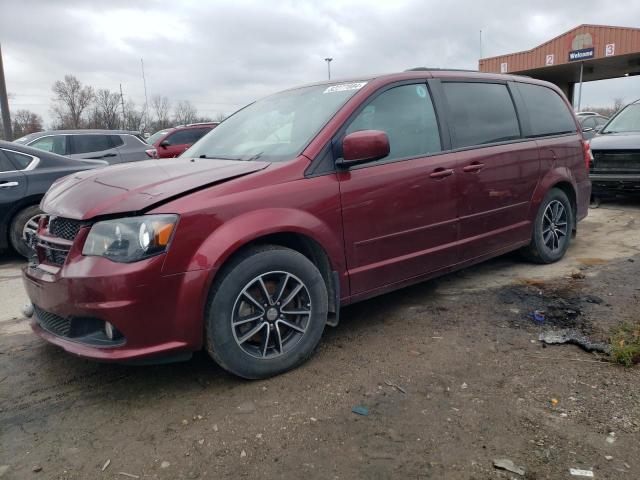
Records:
x=481, y=113
x=116, y=140
x=547, y=111
x=90, y=143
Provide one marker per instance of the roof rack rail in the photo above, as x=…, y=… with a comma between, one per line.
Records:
x=426, y=69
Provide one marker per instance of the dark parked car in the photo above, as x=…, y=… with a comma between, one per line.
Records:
x=171, y=142
x=300, y=203
x=615, y=168
x=25, y=175
x=591, y=124
x=113, y=146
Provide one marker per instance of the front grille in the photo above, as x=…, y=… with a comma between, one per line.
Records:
x=51, y=251
x=64, y=227
x=616, y=161
x=55, y=256
x=53, y=323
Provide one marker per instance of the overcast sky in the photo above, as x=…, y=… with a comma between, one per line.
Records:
x=221, y=55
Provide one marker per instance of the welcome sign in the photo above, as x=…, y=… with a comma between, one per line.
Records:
x=581, y=54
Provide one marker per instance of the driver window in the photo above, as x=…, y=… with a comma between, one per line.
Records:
x=407, y=116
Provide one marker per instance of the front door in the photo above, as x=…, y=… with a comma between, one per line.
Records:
x=400, y=212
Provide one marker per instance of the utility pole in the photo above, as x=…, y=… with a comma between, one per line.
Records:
x=328, y=60
x=146, y=100
x=580, y=88
x=4, y=104
x=122, y=103
x=480, y=44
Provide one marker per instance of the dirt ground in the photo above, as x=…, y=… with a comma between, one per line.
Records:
x=451, y=371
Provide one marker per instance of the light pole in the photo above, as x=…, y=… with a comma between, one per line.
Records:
x=328, y=60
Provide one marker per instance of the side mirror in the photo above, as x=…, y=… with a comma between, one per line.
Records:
x=165, y=143
x=364, y=146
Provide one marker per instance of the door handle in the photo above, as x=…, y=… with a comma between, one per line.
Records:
x=441, y=172
x=474, y=167
x=8, y=184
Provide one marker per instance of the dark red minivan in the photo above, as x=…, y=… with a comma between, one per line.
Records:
x=298, y=204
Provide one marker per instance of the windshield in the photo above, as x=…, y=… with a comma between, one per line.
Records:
x=276, y=128
x=154, y=138
x=628, y=120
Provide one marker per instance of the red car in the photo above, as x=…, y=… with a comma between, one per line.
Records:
x=300, y=203
x=171, y=142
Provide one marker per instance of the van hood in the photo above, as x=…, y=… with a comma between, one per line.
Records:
x=616, y=141
x=134, y=187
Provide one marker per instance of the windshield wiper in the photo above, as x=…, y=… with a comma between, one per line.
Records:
x=219, y=157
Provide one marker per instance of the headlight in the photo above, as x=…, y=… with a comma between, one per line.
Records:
x=131, y=239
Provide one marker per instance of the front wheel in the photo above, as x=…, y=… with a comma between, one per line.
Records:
x=23, y=229
x=266, y=313
x=552, y=228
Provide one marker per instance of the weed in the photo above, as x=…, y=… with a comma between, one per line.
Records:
x=625, y=344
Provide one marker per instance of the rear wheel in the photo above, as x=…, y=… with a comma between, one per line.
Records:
x=266, y=313
x=23, y=229
x=552, y=228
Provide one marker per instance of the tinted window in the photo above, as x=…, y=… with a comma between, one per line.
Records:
x=188, y=136
x=52, y=143
x=5, y=165
x=548, y=114
x=90, y=143
x=406, y=115
x=481, y=113
x=116, y=140
x=20, y=160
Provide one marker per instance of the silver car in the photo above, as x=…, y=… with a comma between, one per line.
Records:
x=113, y=146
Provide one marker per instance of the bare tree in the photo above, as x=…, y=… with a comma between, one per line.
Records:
x=185, y=113
x=618, y=103
x=70, y=101
x=219, y=117
x=25, y=122
x=133, y=117
x=106, y=105
x=161, y=107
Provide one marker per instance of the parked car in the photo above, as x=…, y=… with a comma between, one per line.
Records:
x=615, y=168
x=172, y=142
x=25, y=175
x=300, y=203
x=591, y=124
x=113, y=146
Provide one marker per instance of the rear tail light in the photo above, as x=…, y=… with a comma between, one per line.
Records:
x=152, y=153
x=588, y=156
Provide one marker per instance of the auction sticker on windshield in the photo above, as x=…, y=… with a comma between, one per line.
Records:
x=344, y=87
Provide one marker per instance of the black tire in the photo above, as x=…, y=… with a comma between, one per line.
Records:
x=16, y=229
x=547, y=246
x=281, y=270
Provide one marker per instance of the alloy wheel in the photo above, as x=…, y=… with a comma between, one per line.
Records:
x=271, y=314
x=30, y=229
x=555, y=226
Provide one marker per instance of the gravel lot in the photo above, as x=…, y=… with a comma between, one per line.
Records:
x=451, y=372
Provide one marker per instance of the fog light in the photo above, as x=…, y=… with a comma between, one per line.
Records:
x=109, y=330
